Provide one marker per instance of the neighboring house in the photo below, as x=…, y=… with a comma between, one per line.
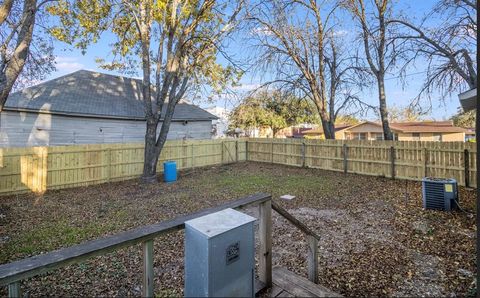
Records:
x=317, y=133
x=258, y=132
x=87, y=107
x=362, y=131
x=470, y=135
x=403, y=131
x=443, y=131
x=220, y=126
x=295, y=131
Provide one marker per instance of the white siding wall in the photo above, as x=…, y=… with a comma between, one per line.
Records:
x=20, y=129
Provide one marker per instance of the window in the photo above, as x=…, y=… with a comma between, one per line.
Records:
x=378, y=136
x=416, y=136
x=437, y=137
x=362, y=136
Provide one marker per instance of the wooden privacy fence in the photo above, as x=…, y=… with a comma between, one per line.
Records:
x=395, y=159
x=40, y=168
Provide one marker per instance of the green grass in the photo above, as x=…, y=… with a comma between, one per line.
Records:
x=167, y=293
x=50, y=235
x=245, y=183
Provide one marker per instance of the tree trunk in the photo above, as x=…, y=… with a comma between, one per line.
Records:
x=154, y=145
x=5, y=9
x=325, y=118
x=382, y=98
x=328, y=130
x=151, y=153
x=14, y=67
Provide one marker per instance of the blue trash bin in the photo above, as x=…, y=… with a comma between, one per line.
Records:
x=169, y=171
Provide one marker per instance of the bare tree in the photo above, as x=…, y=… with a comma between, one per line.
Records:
x=449, y=47
x=20, y=47
x=187, y=46
x=378, y=51
x=175, y=42
x=404, y=114
x=300, y=44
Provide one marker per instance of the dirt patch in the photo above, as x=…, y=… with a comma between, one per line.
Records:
x=375, y=240
x=425, y=280
x=342, y=233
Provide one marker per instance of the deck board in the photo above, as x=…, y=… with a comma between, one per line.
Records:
x=275, y=291
x=284, y=294
x=296, y=286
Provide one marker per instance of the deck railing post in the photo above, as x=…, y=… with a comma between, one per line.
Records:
x=147, y=289
x=312, y=260
x=265, y=236
x=14, y=290
x=312, y=242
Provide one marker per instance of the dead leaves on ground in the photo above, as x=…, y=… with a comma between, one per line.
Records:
x=375, y=240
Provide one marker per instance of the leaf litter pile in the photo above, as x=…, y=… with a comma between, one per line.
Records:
x=376, y=240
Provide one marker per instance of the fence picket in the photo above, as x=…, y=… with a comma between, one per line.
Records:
x=410, y=160
x=41, y=168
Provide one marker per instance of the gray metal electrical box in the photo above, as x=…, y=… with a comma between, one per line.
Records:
x=219, y=255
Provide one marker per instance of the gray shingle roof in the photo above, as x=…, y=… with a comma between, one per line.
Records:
x=88, y=93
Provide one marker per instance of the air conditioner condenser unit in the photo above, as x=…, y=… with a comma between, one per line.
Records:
x=440, y=193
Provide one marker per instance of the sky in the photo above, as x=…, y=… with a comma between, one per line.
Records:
x=69, y=60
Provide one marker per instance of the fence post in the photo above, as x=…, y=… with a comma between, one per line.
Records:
x=246, y=150
x=44, y=169
x=304, y=149
x=466, y=163
x=345, y=162
x=193, y=159
x=312, y=258
x=109, y=165
x=271, y=155
x=14, y=290
x=222, y=146
x=236, y=151
x=392, y=161
x=265, y=235
x=425, y=162
x=147, y=290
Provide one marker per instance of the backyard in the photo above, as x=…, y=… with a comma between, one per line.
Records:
x=375, y=237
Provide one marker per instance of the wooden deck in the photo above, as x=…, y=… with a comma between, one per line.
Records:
x=289, y=284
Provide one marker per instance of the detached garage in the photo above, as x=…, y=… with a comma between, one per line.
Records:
x=87, y=107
